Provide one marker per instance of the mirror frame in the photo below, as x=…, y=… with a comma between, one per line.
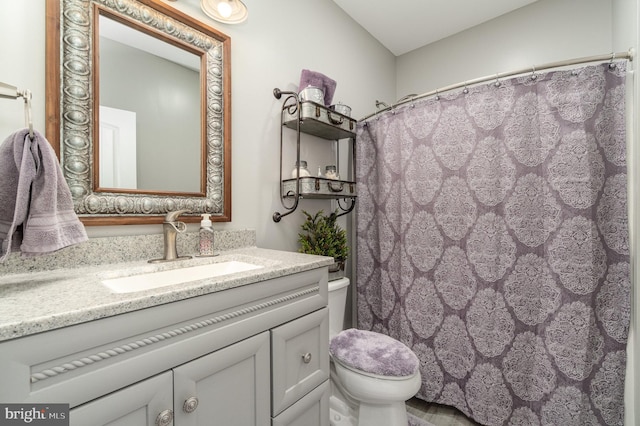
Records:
x=70, y=85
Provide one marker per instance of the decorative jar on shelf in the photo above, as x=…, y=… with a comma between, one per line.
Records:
x=330, y=172
x=303, y=170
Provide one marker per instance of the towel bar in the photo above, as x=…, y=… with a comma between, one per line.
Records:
x=12, y=92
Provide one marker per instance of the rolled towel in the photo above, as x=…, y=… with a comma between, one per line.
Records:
x=313, y=78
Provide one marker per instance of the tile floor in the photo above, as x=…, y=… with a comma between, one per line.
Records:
x=439, y=415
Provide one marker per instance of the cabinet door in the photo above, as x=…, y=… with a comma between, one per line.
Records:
x=227, y=387
x=137, y=405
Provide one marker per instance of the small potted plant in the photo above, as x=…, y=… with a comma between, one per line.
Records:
x=321, y=235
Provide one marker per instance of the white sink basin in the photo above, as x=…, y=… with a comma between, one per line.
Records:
x=153, y=280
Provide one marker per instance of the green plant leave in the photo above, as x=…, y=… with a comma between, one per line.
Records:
x=321, y=235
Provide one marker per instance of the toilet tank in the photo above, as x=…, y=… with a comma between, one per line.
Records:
x=337, y=305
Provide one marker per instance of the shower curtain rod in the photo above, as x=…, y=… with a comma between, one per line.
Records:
x=410, y=98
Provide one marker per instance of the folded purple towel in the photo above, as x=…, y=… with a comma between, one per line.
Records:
x=36, y=208
x=312, y=78
x=374, y=353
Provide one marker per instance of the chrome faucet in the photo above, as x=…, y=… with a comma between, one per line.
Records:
x=171, y=228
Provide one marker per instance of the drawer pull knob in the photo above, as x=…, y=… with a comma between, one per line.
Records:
x=164, y=418
x=306, y=358
x=190, y=405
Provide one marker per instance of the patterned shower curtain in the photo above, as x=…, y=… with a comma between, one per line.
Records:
x=492, y=239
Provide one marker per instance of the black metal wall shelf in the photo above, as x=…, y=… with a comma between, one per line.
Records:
x=306, y=117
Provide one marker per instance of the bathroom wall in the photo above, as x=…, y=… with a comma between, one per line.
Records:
x=545, y=31
x=269, y=50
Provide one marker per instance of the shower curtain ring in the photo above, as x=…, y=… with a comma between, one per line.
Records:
x=466, y=89
x=533, y=73
x=497, y=83
x=437, y=95
x=611, y=64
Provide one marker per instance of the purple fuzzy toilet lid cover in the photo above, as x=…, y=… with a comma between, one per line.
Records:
x=373, y=353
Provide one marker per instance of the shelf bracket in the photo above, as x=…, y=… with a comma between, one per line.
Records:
x=347, y=210
x=291, y=108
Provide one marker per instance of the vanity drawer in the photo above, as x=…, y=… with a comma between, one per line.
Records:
x=299, y=357
x=311, y=410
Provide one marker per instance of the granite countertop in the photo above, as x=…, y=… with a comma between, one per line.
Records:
x=35, y=302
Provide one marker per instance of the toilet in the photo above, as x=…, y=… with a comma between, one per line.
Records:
x=372, y=375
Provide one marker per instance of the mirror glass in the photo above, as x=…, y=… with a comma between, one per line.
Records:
x=149, y=112
x=139, y=106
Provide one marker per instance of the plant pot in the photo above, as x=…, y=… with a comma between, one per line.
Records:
x=336, y=271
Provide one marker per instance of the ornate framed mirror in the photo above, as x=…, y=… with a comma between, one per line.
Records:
x=138, y=108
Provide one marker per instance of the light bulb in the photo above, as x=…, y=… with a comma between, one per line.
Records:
x=224, y=9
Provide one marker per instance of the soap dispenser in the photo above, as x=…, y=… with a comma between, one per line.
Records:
x=206, y=236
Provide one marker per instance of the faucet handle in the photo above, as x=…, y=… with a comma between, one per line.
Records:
x=173, y=215
x=180, y=227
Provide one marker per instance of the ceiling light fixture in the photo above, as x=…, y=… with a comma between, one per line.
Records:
x=226, y=11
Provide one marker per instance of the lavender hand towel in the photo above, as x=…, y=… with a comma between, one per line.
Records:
x=36, y=208
x=313, y=78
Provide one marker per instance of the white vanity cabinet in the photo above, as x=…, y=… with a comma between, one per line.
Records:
x=226, y=387
x=254, y=355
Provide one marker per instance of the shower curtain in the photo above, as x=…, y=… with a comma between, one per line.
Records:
x=492, y=239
